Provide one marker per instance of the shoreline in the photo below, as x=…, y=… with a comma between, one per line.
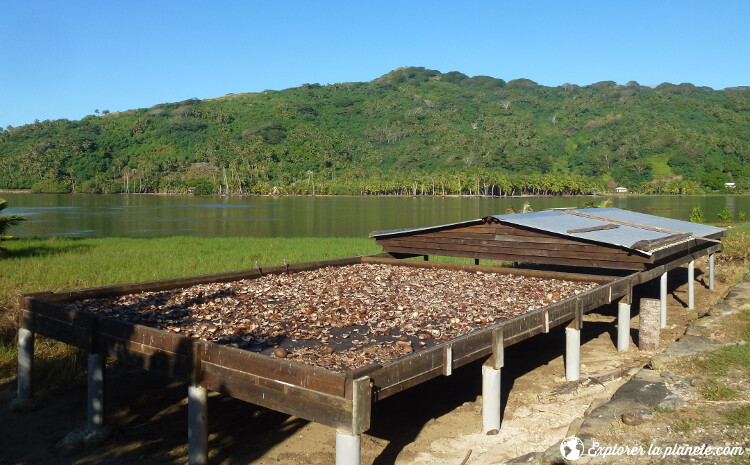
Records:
x=166, y=194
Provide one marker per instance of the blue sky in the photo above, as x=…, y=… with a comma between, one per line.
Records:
x=66, y=59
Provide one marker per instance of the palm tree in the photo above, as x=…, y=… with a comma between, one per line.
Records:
x=7, y=221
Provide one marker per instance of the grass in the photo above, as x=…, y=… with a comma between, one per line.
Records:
x=737, y=244
x=31, y=265
x=741, y=416
x=715, y=390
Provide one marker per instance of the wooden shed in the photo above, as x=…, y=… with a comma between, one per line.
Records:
x=592, y=237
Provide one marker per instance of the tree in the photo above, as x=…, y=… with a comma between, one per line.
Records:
x=6, y=221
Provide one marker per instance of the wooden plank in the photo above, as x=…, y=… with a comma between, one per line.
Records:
x=146, y=357
x=497, y=359
x=579, y=277
x=286, y=371
x=472, y=347
x=678, y=259
x=623, y=222
x=520, y=258
x=63, y=331
x=139, y=334
x=604, y=227
x=504, y=243
x=327, y=409
x=380, y=394
x=361, y=405
x=57, y=322
x=407, y=371
x=443, y=245
x=441, y=242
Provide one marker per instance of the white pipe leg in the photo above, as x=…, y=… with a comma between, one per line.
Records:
x=490, y=400
x=197, y=425
x=25, y=363
x=711, y=263
x=663, y=299
x=691, y=284
x=572, y=354
x=623, y=327
x=348, y=448
x=95, y=402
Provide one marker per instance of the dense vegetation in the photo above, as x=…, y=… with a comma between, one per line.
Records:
x=411, y=131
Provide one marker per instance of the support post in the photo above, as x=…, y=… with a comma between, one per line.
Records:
x=95, y=402
x=649, y=325
x=663, y=300
x=711, y=263
x=197, y=425
x=490, y=400
x=572, y=353
x=426, y=258
x=623, y=325
x=691, y=284
x=348, y=448
x=476, y=261
x=25, y=363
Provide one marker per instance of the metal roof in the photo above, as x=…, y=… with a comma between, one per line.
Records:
x=613, y=226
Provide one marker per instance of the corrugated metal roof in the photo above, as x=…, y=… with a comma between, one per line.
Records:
x=611, y=226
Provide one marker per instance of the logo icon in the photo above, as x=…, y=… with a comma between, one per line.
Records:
x=571, y=448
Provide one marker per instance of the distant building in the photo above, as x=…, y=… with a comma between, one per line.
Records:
x=730, y=185
x=191, y=190
x=621, y=190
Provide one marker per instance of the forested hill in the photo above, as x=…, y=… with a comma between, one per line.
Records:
x=410, y=131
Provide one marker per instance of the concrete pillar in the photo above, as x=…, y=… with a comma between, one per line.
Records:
x=198, y=425
x=663, y=300
x=25, y=363
x=490, y=400
x=649, y=325
x=348, y=448
x=691, y=284
x=95, y=402
x=623, y=326
x=711, y=263
x=572, y=354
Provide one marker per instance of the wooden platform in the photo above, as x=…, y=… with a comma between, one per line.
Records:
x=342, y=400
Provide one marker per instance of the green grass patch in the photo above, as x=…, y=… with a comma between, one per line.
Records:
x=714, y=390
x=663, y=409
x=741, y=416
x=719, y=362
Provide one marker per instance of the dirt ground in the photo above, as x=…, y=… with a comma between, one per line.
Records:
x=437, y=422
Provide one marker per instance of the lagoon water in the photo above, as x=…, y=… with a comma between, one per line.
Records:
x=156, y=215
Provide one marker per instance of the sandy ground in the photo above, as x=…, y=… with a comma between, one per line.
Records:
x=437, y=422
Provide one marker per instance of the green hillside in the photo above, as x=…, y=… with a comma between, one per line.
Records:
x=410, y=131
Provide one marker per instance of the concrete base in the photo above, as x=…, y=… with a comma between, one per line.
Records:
x=490, y=400
x=663, y=299
x=25, y=363
x=348, y=448
x=95, y=402
x=623, y=327
x=691, y=284
x=197, y=425
x=572, y=354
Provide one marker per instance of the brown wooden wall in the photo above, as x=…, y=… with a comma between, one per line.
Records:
x=514, y=244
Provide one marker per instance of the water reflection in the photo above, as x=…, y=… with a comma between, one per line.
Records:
x=153, y=216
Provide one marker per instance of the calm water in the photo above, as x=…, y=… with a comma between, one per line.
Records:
x=151, y=216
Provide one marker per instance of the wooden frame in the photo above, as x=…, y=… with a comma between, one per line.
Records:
x=340, y=400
